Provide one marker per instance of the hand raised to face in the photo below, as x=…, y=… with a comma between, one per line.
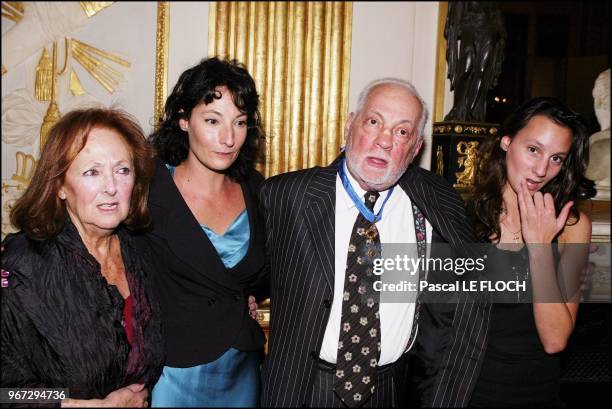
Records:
x=539, y=222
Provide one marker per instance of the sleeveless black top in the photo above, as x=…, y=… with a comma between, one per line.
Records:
x=517, y=371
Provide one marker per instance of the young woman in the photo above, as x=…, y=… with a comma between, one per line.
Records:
x=524, y=201
x=209, y=238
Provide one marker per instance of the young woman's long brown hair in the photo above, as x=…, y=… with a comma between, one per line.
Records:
x=486, y=202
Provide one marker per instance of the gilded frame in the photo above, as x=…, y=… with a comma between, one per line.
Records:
x=161, y=60
x=440, y=75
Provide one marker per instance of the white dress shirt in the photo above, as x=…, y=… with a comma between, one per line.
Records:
x=396, y=226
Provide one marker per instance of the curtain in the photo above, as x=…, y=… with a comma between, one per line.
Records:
x=299, y=55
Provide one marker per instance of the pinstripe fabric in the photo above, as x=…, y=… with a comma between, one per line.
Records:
x=457, y=371
x=299, y=211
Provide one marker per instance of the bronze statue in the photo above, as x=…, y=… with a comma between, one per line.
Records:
x=476, y=38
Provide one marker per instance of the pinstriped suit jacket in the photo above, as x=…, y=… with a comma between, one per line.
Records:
x=299, y=211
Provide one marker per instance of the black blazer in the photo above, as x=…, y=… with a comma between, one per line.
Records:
x=62, y=321
x=204, y=304
x=299, y=211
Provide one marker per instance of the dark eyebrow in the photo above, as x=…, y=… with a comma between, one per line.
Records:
x=556, y=153
x=213, y=111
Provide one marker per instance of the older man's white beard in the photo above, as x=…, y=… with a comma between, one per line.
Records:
x=381, y=183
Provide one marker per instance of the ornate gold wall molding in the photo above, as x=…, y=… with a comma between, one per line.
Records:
x=92, y=59
x=299, y=54
x=91, y=8
x=53, y=114
x=161, y=59
x=468, y=151
x=26, y=164
x=13, y=10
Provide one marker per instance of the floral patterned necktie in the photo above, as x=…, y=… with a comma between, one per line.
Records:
x=359, y=343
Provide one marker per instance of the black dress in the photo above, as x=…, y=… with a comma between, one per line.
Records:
x=62, y=322
x=516, y=371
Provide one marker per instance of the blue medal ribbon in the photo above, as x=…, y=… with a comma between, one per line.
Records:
x=370, y=216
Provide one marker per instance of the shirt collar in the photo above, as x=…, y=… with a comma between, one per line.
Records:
x=345, y=199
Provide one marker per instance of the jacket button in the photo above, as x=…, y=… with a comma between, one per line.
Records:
x=327, y=303
x=314, y=355
x=236, y=298
x=211, y=301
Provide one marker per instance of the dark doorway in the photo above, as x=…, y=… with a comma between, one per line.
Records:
x=552, y=49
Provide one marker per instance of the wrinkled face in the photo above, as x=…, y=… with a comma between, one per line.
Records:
x=536, y=153
x=383, y=138
x=98, y=185
x=216, y=131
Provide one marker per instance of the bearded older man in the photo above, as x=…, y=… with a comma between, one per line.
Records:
x=333, y=344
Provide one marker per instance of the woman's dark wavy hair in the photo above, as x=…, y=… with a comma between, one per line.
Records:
x=485, y=204
x=198, y=85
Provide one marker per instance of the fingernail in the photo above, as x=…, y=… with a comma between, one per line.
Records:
x=5, y=273
x=4, y=283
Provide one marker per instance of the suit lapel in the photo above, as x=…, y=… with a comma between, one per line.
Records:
x=319, y=216
x=413, y=186
x=185, y=236
x=425, y=197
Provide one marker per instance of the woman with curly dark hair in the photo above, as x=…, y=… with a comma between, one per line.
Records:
x=526, y=186
x=208, y=237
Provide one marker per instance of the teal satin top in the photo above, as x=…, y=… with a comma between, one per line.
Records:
x=232, y=245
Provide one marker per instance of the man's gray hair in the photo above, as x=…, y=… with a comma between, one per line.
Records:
x=402, y=83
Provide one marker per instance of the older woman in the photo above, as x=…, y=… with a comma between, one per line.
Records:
x=78, y=311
